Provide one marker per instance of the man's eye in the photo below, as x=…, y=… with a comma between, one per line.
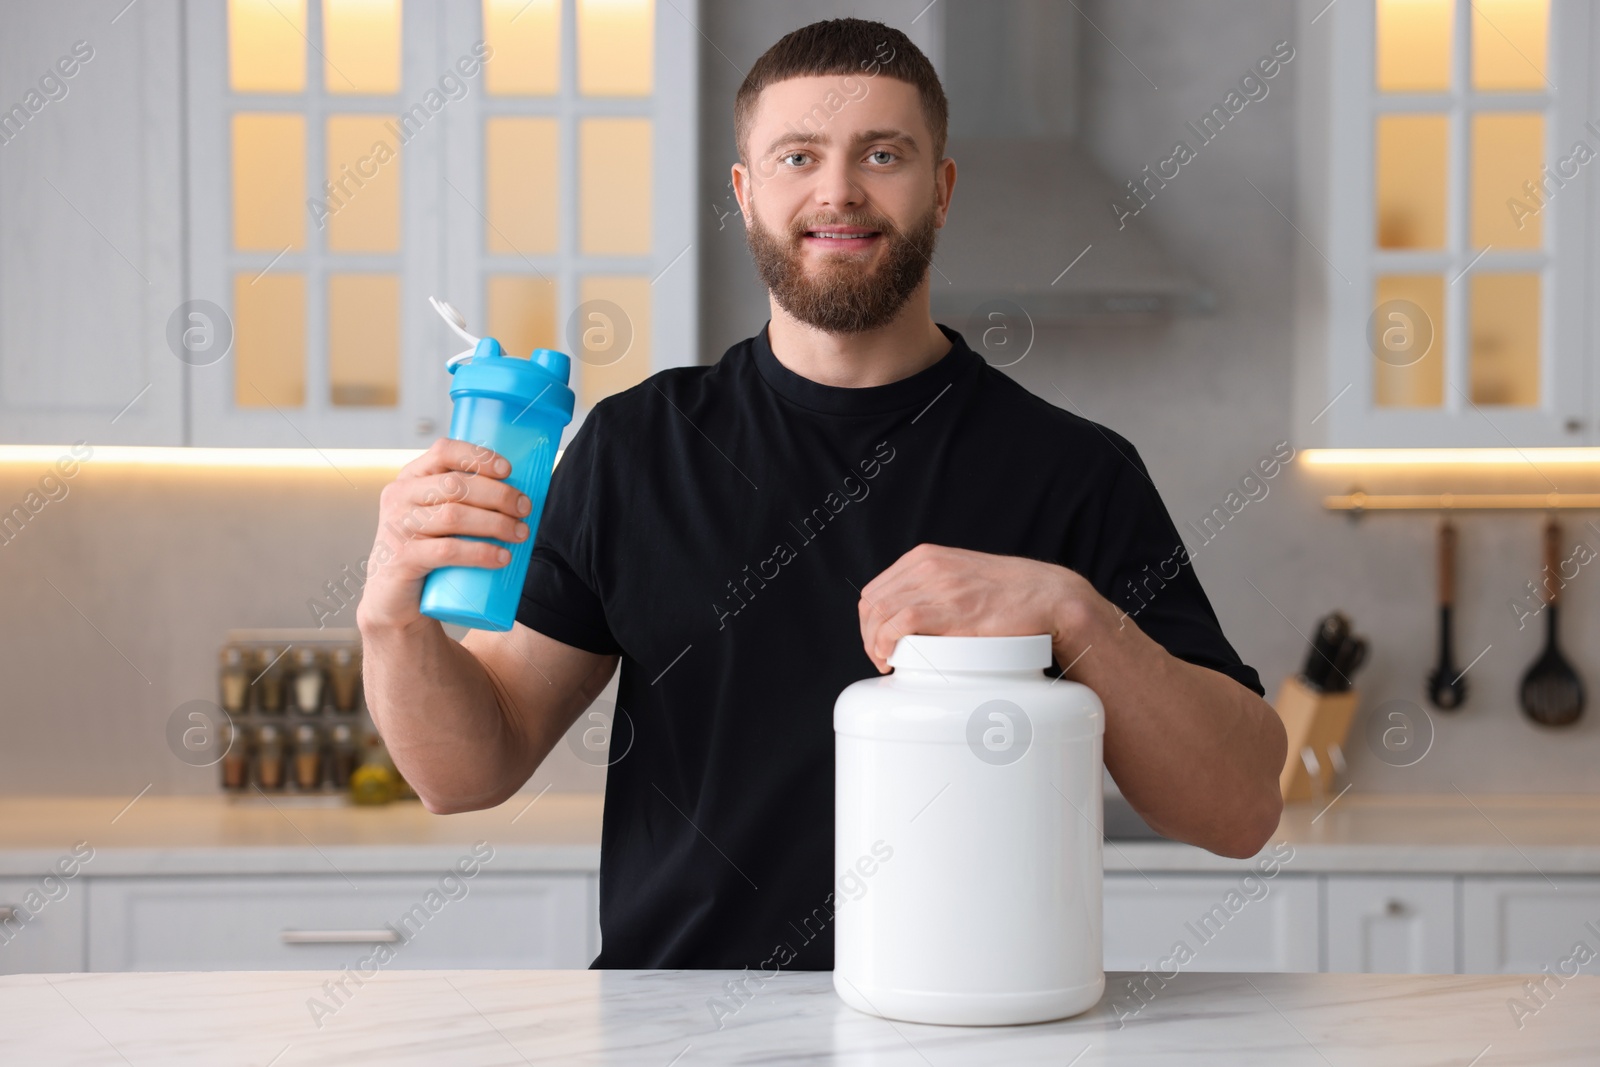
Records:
x=883, y=152
x=793, y=155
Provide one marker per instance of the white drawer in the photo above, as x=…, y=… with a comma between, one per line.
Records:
x=1391, y=924
x=1222, y=922
x=37, y=933
x=1524, y=925
x=327, y=922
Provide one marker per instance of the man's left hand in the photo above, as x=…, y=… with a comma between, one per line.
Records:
x=937, y=590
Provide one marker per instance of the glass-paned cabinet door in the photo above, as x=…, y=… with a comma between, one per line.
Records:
x=1459, y=224
x=569, y=199
x=316, y=141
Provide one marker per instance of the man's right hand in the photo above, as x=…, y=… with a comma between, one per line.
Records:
x=453, y=489
x=466, y=722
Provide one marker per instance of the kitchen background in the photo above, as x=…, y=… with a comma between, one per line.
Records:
x=118, y=596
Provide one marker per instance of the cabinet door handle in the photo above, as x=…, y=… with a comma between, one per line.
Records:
x=338, y=937
x=1395, y=907
x=7, y=913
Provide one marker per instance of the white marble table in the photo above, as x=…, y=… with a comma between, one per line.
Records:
x=665, y=1019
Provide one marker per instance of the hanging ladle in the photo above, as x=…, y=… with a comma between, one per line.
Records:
x=1552, y=692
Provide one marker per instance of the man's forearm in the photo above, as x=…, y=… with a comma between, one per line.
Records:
x=438, y=711
x=1195, y=752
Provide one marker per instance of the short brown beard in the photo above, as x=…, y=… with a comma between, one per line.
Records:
x=841, y=298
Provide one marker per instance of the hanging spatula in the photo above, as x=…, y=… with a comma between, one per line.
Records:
x=1552, y=692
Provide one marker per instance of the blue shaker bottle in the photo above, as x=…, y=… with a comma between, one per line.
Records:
x=517, y=407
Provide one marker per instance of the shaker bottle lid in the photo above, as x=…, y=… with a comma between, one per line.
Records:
x=538, y=383
x=486, y=349
x=924, y=652
x=557, y=363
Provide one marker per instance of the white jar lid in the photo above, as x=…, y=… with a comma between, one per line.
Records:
x=923, y=652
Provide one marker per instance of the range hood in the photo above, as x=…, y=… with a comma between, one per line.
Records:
x=1031, y=221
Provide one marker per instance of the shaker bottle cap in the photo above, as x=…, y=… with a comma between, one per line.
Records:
x=485, y=370
x=558, y=364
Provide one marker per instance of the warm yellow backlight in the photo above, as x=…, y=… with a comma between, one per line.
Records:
x=159, y=456
x=342, y=459
x=1455, y=457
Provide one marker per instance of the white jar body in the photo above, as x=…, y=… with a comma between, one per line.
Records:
x=968, y=807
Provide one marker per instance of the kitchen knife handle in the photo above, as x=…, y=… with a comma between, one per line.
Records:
x=338, y=937
x=1447, y=564
x=1552, y=561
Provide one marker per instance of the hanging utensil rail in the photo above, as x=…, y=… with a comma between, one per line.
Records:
x=1358, y=502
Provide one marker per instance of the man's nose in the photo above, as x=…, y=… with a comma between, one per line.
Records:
x=836, y=187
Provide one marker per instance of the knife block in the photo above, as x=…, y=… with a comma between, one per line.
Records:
x=1314, y=722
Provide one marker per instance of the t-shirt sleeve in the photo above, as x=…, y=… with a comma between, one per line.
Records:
x=561, y=596
x=1142, y=566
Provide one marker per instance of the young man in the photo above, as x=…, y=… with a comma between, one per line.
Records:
x=750, y=537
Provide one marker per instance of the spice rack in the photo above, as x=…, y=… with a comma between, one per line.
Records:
x=298, y=717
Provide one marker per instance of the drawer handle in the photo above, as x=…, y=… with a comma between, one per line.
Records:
x=7, y=913
x=338, y=937
x=1395, y=908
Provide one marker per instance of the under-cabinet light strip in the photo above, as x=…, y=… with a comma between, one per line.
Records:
x=330, y=459
x=1455, y=457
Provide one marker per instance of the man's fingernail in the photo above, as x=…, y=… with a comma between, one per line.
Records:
x=524, y=505
x=501, y=466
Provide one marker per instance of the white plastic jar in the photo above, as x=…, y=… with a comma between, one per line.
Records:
x=968, y=836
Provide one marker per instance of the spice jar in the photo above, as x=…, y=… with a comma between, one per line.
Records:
x=375, y=781
x=269, y=756
x=235, y=680
x=307, y=757
x=236, y=758
x=372, y=783
x=968, y=802
x=344, y=670
x=307, y=681
x=269, y=680
x=341, y=755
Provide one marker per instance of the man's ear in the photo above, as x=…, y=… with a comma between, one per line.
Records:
x=944, y=177
x=741, y=189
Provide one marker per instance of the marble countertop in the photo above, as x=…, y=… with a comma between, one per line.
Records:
x=1372, y=833
x=662, y=1019
x=291, y=835
x=1391, y=833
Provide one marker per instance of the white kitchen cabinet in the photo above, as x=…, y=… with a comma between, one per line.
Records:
x=1523, y=925
x=90, y=187
x=1391, y=925
x=1440, y=300
x=1214, y=918
x=122, y=245
x=327, y=922
x=37, y=933
x=1475, y=924
x=506, y=197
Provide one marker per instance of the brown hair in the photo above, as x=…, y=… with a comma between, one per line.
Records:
x=844, y=46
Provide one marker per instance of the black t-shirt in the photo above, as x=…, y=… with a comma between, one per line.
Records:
x=713, y=525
